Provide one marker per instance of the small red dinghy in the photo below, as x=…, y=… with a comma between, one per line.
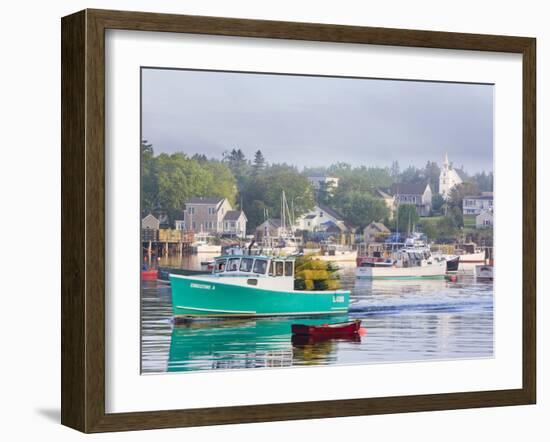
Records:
x=150, y=274
x=335, y=329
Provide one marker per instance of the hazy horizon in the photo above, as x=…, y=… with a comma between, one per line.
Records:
x=310, y=121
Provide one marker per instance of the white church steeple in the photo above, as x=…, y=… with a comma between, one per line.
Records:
x=448, y=178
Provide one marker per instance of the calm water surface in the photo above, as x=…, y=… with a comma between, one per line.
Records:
x=404, y=321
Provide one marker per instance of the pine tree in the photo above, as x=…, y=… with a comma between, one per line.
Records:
x=259, y=162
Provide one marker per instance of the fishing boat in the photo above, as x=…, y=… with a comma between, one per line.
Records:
x=452, y=263
x=407, y=263
x=484, y=272
x=470, y=253
x=251, y=286
x=336, y=252
x=203, y=244
x=334, y=329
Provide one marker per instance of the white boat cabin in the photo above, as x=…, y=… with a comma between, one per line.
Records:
x=271, y=273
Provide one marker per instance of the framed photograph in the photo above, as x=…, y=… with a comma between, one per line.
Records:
x=266, y=220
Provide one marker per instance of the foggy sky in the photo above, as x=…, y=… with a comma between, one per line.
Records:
x=317, y=121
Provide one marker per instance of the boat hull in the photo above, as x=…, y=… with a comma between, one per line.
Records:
x=383, y=272
x=472, y=258
x=210, y=297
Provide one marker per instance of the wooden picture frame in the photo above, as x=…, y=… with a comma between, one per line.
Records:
x=83, y=220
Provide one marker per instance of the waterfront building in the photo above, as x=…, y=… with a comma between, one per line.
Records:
x=375, y=232
x=475, y=205
x=150, y=222
x=449, y=177
x=212, y=215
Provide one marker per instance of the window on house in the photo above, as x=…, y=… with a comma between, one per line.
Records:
x=194, y=225
x=211, y=210
x=191, y=210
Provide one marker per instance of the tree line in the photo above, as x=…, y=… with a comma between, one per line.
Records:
x=255, y=186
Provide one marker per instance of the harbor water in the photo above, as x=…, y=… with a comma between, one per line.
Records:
x=411, y=320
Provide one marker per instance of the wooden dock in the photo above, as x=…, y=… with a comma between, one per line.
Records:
x=166, y=242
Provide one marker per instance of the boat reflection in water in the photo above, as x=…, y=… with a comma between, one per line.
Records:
x=245, y=343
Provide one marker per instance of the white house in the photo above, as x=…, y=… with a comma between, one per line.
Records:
x=417, y=194
x=212, y=215
x=474, y=205
x=234, y=223
x=269, y=228
x=448, y=178
x=318, y=218
x=484, y=220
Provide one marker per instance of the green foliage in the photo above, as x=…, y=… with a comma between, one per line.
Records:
x=459, y=192
x=259, y=163
x=263, y=192
x=431, y=175
x=168, y=181
x=408, y=217
x=360, y=209
x=437, y=202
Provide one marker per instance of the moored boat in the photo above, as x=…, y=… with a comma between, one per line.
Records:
x=470, y=253
x=333, y=329
x=452, y=263
x=251, y=286
x=407, y=263
x=484, y=272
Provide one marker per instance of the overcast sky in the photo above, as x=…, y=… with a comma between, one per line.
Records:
x=317, y=121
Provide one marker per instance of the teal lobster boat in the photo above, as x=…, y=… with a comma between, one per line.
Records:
x=251, y=286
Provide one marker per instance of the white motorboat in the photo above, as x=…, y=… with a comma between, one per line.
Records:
x=484, y=272
x=470, y=253
x=407, y=263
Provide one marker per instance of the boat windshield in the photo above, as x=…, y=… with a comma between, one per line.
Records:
x=233, y=264
x=246, y=264
x=220, y=265
x=260, y=266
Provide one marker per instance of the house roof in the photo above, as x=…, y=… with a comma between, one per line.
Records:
x=233, y=215
x=311, y=216
x=331, y=212
x=205, y=200
x=479, y=197
x=408, y=188
x=149, y=216
x=379, y=226
x=382, y=193
x=273, y=222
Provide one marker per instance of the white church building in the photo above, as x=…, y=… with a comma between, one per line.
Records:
x=448, y=178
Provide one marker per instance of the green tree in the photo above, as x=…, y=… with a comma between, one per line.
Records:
x=263, y=192
x=437, y=202
x=149, y=187
x=460, y=191
x=395, y=170
x=360, y=209
x=259, y=163
x=411, y=175
x=431, y=175
x=408, y=217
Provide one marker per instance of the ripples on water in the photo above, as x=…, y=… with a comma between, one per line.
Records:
x=405, y=321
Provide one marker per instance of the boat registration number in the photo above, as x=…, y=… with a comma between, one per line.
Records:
x=338, y=298
x=202, y=286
